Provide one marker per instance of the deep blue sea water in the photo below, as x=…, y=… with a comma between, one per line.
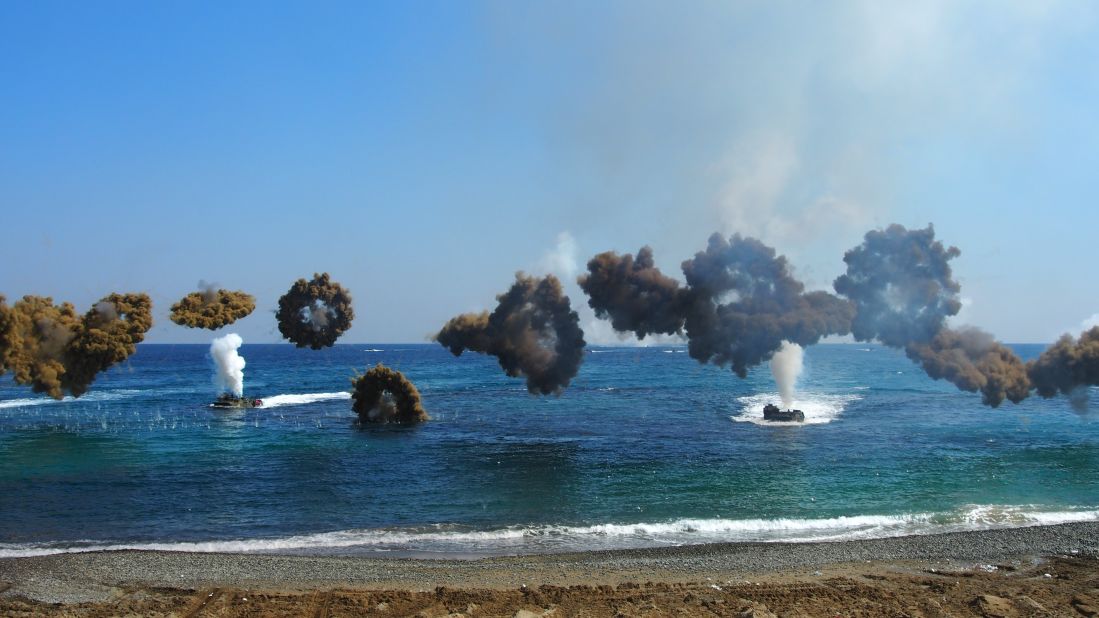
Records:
x=646, y=447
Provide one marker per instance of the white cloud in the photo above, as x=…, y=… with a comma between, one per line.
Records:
x=1090, y=323
x=563, y=260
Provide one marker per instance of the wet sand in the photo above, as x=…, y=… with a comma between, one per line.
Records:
x=1038, y=571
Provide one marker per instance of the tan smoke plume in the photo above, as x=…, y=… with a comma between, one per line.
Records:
x=373, y=406
x=973, y=361
x=57, y=351
x=1067, y=365
x=533, y=332
x=212, y=307
x=315, y=313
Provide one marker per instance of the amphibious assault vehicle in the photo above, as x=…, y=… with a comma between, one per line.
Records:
x=771, y=412
x=225, y=400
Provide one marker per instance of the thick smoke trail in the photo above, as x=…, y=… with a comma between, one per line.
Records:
x=973, y=361
x=372, y=405
x=786, y=365
x=902, y=286
x=634, y=294
x=55, y=350
x=315, y=313
x=533, y=332
x=1067, y=365
x=229, y=365
x=212, y=307
x=740, y=302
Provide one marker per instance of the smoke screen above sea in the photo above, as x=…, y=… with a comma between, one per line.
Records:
x=741, y=304
x=738, y=306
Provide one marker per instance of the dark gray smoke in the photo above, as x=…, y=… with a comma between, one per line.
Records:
x=903, y=289
x=900, y=281
x=533, y=332
x=743, y=302
x=740, y=302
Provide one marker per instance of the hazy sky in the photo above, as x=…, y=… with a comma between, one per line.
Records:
x=422, y=152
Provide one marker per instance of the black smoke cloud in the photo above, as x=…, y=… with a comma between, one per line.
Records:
x=634, y=294
x=533, y=332
x=315, y=313
x=903, y=289
x=743, y=302
x=740, y=301
x=372, y=406
x=1067, y=365
x=212, y=307
x=57, y=351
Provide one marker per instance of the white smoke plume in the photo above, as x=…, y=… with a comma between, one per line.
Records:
x=786, y=367
x=229, y=376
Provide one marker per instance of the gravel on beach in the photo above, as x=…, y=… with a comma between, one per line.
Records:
x=102, y=576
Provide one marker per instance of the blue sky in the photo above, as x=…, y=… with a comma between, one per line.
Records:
x=423, y=152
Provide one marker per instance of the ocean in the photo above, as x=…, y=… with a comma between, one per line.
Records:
x=646, y=448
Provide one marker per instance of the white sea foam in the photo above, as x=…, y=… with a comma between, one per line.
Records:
x=277, y=401
x=92, y=396
x=373, y=350
x=819, y=408
x=535, y=539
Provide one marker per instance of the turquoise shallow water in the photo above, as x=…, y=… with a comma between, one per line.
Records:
x=647, y=447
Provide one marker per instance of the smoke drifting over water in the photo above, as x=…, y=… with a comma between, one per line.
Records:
x=634, y=294
x=315, y=313
x=1067, y=365
x=229, y=365
x=902, y=286
x=786, y=366
x=740, y=302
x=56, y=351
x=533, y=332
x=211, y=307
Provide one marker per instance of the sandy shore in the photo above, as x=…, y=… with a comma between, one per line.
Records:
x=1047, y=570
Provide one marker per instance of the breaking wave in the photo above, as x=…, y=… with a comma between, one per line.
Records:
x=818, y=408
x=448, y=539
x=277, y=401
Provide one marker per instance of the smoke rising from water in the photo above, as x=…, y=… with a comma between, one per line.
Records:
x=786, y=366
x=57, y=351
x=371, y=402
x=229, y=365
x=533, y=332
